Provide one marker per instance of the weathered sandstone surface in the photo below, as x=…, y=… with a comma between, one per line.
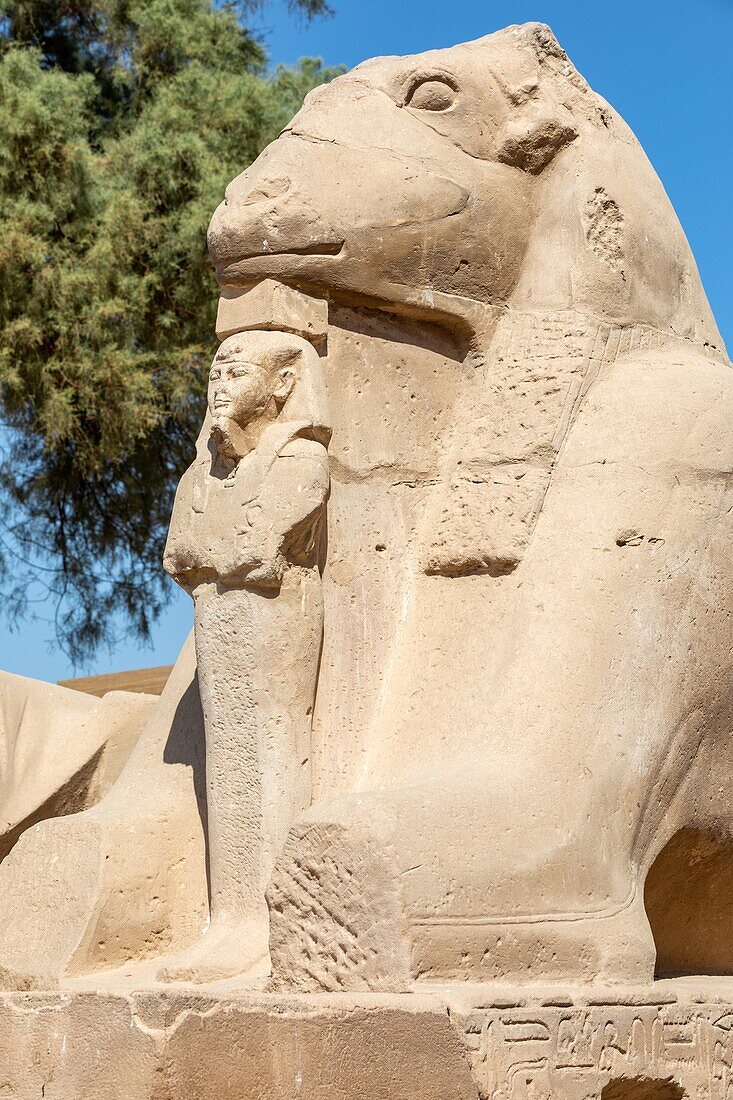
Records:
x=439, y=794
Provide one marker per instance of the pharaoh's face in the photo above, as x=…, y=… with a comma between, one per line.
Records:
x=251, y=377
x=239, y=387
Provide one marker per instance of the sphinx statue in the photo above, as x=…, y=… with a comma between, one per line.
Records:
x=456, y=716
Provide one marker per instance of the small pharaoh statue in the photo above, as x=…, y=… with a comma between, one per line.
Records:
x=245, y=542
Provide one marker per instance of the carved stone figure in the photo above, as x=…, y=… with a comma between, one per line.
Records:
x=547, y=656
x=467, y=743
x=245, y=542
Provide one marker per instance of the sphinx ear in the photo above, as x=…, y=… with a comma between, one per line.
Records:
x=532, y=142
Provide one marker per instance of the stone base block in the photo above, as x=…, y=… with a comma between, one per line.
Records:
x=661, y=1042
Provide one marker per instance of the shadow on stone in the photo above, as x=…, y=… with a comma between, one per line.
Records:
x=643, y=1088
x=689, y=902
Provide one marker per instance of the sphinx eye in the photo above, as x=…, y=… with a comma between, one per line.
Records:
x=434, y=94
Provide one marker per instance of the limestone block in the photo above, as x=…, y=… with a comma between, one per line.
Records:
x=146, y=1045
x=609, y=1043
x=272, y=305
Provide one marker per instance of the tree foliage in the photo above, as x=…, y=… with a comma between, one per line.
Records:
x=121, y=121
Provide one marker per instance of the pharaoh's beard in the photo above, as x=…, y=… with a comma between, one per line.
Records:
x=226, y=434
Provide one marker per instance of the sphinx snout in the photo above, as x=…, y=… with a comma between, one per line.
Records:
x=277, y=208
x=257, y=228
x=247, y=192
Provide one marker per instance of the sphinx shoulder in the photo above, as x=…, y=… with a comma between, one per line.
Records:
x=670, y=406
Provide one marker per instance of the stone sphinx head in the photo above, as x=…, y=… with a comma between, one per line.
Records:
x=487, y=189
x=475, y=176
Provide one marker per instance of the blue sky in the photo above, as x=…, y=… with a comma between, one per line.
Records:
x=666, y=66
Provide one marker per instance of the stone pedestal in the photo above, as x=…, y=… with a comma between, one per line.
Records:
x=666, y=1041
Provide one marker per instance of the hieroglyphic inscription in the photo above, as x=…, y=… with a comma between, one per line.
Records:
x=558, y=1051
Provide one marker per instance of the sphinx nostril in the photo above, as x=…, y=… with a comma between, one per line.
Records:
x=264, y=190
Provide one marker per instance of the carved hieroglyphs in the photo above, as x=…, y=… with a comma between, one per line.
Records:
x=457, y=534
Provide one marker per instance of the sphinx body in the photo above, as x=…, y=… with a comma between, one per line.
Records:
x=527, y=597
